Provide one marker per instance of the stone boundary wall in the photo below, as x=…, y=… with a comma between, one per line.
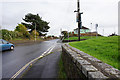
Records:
x=81, y=65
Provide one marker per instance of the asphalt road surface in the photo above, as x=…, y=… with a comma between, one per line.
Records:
x=14, y=60
x=45, y=68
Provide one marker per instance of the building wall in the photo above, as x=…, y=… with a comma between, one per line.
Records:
x=81, y=31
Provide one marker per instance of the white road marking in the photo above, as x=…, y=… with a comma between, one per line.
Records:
x=50, y=50
x=24, y=67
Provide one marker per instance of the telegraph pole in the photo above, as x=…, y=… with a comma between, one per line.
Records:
x=79, y=19
x=103, y=32
x=96, y=25
x=35, y=31
x=91, y=30
x=61, y=33
x=68, y=35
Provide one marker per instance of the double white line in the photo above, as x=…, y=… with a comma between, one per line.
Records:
x=29, y=63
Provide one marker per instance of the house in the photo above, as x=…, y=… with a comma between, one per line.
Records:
x=82, y=30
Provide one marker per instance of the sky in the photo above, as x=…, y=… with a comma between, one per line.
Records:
x=60, y=14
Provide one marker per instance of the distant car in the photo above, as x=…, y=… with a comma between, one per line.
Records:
x=5, y=45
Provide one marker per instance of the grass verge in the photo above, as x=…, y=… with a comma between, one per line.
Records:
x=24, y=41
x=103, y=48
x=61, y=73
x=82, y=37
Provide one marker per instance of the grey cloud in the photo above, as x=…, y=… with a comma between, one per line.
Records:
x=60, y=13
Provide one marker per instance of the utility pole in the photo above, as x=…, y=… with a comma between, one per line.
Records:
x=35, y=31
x=79, y=19
x=91, y=29
x=61, y=33
x=96, y=30
x=68, y=35
x=103, y=32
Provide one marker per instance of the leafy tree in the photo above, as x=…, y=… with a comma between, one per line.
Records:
x=22, y=30
x=65, y=33
x=18, y=34
x=113, y=34
x=31, y=20
x=34, y=32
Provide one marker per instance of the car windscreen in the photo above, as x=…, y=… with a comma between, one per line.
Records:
x=5, y=42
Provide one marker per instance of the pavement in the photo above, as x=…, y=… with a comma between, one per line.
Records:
x=45, y=68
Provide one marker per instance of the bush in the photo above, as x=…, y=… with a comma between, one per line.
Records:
x=7, y=35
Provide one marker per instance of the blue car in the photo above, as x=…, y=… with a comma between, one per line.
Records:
x=5, y=45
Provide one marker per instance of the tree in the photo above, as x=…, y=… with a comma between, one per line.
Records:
x=23, y=30
x=113, y=34
x=31, y=20
x=65, y=33
x=34, y=32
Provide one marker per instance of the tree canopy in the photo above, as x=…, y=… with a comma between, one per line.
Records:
x=65, y=33
x=34, y=32
x=22, y=30
x=31, y=20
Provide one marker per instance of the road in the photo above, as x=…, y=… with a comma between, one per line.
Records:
x=14, y=60
x=47, y=67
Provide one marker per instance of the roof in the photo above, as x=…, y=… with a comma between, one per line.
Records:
x=82, y=28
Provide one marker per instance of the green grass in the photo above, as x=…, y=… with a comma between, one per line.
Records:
x=82, y=37
x=103, y=48
x=61, y=73
x=17, y=39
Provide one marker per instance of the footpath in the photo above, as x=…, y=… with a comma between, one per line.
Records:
x=45, y=68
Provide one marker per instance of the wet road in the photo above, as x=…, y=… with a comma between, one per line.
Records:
x=47, y=67
x=12, y=61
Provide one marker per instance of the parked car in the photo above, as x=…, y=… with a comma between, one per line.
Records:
x=5, y=45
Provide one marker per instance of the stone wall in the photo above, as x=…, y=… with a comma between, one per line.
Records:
x=81, y=65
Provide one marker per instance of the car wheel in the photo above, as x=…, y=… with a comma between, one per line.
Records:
x=11, y=48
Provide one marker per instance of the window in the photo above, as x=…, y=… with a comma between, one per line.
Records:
x=0, y=42
x=5, y=42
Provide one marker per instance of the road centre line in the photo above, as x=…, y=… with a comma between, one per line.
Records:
x=25, y=66
x=50, y=50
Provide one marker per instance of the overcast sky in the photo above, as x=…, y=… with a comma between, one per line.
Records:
x=60, y=14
